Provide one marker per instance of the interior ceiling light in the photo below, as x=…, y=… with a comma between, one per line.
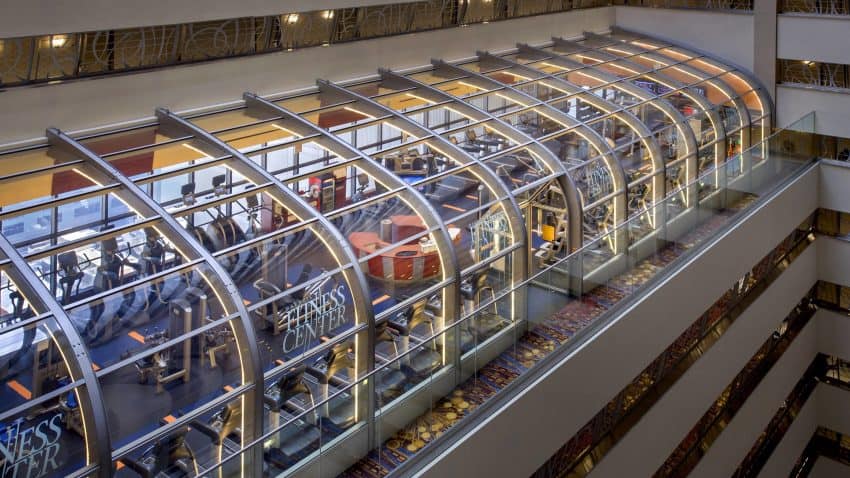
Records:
x=807, y=62
x=292, y=18
x=58, y=41
x=328, y=14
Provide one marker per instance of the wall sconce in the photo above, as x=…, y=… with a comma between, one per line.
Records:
x=328, y=14
x=58, y=41
x=292, y=18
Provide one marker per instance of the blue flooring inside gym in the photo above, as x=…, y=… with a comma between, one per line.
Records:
x=135, y=409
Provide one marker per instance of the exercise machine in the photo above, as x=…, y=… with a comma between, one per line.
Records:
x=484, y=323
x=169, y=457
x=337, y=369
x=427, y=358
x=299, y=437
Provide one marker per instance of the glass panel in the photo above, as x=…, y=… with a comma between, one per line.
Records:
x=739, y=84
x=479, y=140
x=33, y=177
x=411, y=99
x=617, y=96
x=430, y=77
x=532, y=123
x=518, y=168
x=589, y=57
x=754, y=104
x=622, y=69
x=583, y=78
x=684, y=74
x=579, y=108
x=308, y=102
x=113, y=324
x=303, y=158
x=571, y=148
x=542, y=90
x=396, y=250
x=412, y=163
x=442, y=119
x=296, y=302
x=495, y=103
x=594, y=180
x=32, y=364
x=101, y=264
x=462, y=88
x=204, y=442
x=47, y=437
x=168, y=373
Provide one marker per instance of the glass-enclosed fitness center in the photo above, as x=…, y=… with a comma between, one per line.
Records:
x=326, y=282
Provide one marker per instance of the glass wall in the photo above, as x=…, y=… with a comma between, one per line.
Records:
x=285, y=284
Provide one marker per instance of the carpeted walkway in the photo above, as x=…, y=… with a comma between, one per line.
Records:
x=536, y=344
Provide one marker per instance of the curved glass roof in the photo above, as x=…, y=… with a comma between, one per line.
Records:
x=194, y=265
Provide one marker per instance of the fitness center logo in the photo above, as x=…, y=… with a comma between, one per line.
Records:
x=30, y=452
x=315, y=315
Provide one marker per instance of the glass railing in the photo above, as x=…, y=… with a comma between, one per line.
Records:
x=557, y=309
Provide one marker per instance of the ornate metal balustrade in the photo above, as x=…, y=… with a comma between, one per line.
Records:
x=695, y=4
x=812, y=73
x=44, y=58
x=819, y=7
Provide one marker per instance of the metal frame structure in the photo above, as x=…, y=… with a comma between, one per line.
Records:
x=329, y=133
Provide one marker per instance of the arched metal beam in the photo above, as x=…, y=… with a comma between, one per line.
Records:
x=688, y=91
x=483, y=173
x=728, y=91
x=379, y=173
x=692, y=169
x=616, y=111
x=76, y=358
x=753, y=82
x=565, y=181
x=322, y=229
x=187, y=245
x=414, y=200
x=569, y=123
x=745, y=120
x=665, y=107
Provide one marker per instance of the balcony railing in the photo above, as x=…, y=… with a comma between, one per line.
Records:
x=818, y=7
x=63, y=56
x=813, y=73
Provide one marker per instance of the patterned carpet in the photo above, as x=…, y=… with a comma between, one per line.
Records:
x=530, y=349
